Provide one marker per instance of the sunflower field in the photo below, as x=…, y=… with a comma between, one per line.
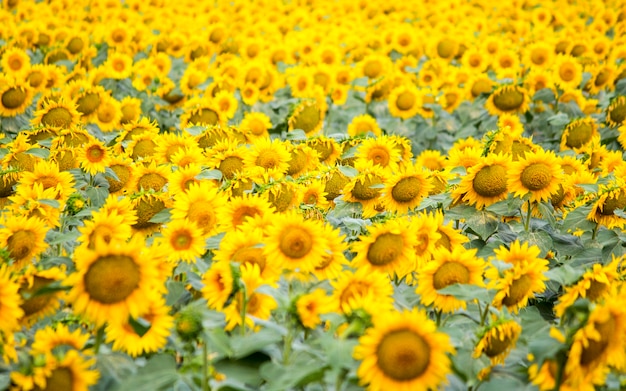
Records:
x=312, y=195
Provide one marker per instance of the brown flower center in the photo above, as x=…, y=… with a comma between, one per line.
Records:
x=112, y=278
x=403, y=355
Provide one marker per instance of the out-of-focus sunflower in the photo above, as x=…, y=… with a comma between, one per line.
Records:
x=37, y=303
x=379, y=151
x=303, y=160
x=366, y=188
x=362, y=125
x=255, y=125
x=448, y=267
x=567, y=72
x=182, y=241
x=218, y=284
x=15, y=97
x=508, y=99
x=149, y=177
x=311, y=305
x=362, y=290
x=497, y=340
x=268, y=158
x=11, y=302
x=23, y=237
x=146, y=206
x=105, y=226
x=309, y=116
x=333, y=261
x=200, y=204
x=616, y=112
x=123, y=168
x=610, y=198
x=403, y=351
x=47, y=175
x=112, y=281
x=57, y=114
x=404, y=101
x=251, y=208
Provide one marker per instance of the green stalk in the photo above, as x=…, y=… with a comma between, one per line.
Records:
x=205, y=367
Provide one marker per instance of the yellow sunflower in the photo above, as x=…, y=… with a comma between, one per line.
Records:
x=459, y=266
x=182, y=241
x=200, y=204
x=218, y=284
x=37, y=303
x=15, y=62
x=616, y=111
x=113, y=281
x=252, y=208
x=366, y=188
x=537, y=174
x=362, y=290
x=379, y=151
x=362, y=125
x=14, y=97
x=255, y=125
x=72, y=373
x=311, y=305
x=106, y=226
x=93, y=157
x=168, y=144
x=56, y=114
x=149, y=177
x=49, y=338
x=123, y=168
x=578, y=133
x=610, y=198
x=146, y=206
x=303, y=160
x=23, y=237
x=508, y=99
x=10, y=301
x=404, y=101
x=387, y=247
x=309, y=116
x=268, y=158
x=403, y=351
x=47, y=175
x=449, y=237
x=567, y=72
x=313, y=194
x=295, y=242
x=485, y=182
x=334, y=259
x=137, y=339
x=516, y=285
x=427, y=233
x=497, y=340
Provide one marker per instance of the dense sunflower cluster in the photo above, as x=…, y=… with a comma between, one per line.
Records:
x=279, y=195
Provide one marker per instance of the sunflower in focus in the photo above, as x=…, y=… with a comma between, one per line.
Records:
x=578, y=133
x=57, y=114
x=485, y=182
x=200, y=204
x=610, y=198
x=403, y=351
x=94, y=157
x=459, y=266
x=269, y=158
x=251, y=208
x=537, y=174
x=405, y=189
x=112, y=281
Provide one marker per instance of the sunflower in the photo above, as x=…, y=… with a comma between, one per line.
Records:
x=146, y=206
x=124, y=169
x=138, y=127
x=616, y=112
x=335, y=182
x=362, y=289
x=249, y=301
x=205, y=114
x=478, y=85
x=459, y=266
x=71, y=373
x=366, y=188
x=130, y=108
x=328, y=150
x=596, y=284
x=182, y=241
x=255, y=125
x=105, y=226
x=310, y=306
x=168, y=144
x=516, y=285
x=485, y=182
x=252, y=208
x=309, y=116
x=269, y=158
x=49, y=338
x=379, y=89
x=404, y=101
x=578, y=133
x=47, y=175
x=387, y=247
x=537, y=173
x=600, y=342
x=23, y=237
x=610, y=198
x=508, y=99
x=93, y=157
x=333, y=261
x=379, y=151
x=497, y=340
x=427, y=228
x=122, y=206
x=149, y=177
x=113, y=281
x=313, y=194
x=181, y=179
x=128, y=338
x=567, y=72
x=374, y=66
x=200, y=204
x=362, y=125
x=304, y=159
x=403, y=351
x=37, y=303
x=15, y=98
x=539, y=54
x=431, y=159
x=218, y=284
x=11, y=310
x=15, y=62
x=57, y=114
x=449, y=237
x=294, y=242
x=119, y=65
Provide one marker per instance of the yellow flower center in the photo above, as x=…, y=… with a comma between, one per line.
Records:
x=567, y=72
x=146, y=209
x=37, y=303
x=267, y=159
x=403, y=355
x=406, y=101
x=151, y=181
x=508, y=99
x=538, y=56
x=205, y=116
x=20, y=244
x=386, y=249
x=181, y=240
x=250, y=255
x=202, y=214
x=595, y=348
x=596, y=290
x=617, y=113
x=519, y=289
x=230, y=165
x=446, y=48
x=60, y=379
x=295, y=242
x=334, y=185
x=143, y=148
x=13, y=98
x=57, y=117
x=244, y=213
x=363, y=191
x=450, y=273
x=307, y=119
x=406, y=189
x=123, y=174
x=496, y=346
x=481, y=86
x=372, y=69
x=88, y=103
x=112, y=278
x=490, y=181
x=282, y=199
x=578, y=134
x=613, y=202
x=536, y=176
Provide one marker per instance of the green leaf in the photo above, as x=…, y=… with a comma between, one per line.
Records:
x=139, y=325
x=245, y=345
x=159, y=373
x=175, y=292
x=540, y=239
x=51, y=203
x=348, y=171
x=547, y=211
x=564, y=274
x=467, y=292
x=39, y=152
x=162, y=216
x=296, y=135
x=577, y=219
x=559, y=120
x=219, y=342
x=209, y=174
x=303, y=370
x=483, y=223
x=195, y=130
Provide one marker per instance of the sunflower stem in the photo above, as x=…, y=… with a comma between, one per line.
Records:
x=99, y=338
x=244, y=308
x=287, y=349
x=595, y=231
x=527, y=221
x=205, y=366
x=483, y=316
x=340, y=377
x=438, y=317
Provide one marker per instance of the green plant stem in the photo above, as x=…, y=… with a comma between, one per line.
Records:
x=595, y=231
x=99, y=339
x=527, y=221
x=205, y=367
x=483, y=316
x=438, y=317
x=244, y=308
x=287, y=349
x=340, y=378
x=560, y=357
